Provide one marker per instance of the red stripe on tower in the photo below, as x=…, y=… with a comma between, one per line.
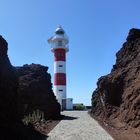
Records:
x=59, y=79
x=59, y=55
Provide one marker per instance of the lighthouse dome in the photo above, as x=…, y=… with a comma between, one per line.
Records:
x=59, y=30
x=59, y=40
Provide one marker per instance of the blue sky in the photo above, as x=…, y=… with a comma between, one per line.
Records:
x=96, y=29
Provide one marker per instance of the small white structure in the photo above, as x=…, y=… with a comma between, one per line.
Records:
x=69, y=104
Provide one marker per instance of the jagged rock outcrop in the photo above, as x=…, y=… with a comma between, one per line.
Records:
x=117, y=97
x=22, y=90
x=35, y=91
x=11, y=126
x=8, y=87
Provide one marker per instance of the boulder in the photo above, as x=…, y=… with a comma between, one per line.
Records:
x=35, y=91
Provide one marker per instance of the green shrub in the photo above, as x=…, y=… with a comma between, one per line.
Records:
x=33, y=117
x=79, y=107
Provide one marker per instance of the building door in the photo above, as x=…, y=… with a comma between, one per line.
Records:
x=63, y=104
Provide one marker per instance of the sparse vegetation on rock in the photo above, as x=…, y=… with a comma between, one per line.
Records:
x=35, y=91
x=34, y=117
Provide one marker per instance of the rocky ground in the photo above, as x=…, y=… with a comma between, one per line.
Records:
x=78, y=125
x=46, y=126
x=116, y=101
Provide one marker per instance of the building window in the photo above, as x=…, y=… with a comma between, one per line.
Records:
x=60, y=65
x=60, y=43
x=61, y=90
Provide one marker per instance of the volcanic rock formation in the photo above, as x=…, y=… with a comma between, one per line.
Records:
x=32, y=91
x=35, y=91
x=8, y=87
x=11, y=126
x=117, y=97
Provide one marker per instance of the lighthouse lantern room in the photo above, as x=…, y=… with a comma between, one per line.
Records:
x=59, y=46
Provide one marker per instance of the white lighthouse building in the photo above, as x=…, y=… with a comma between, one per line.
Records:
x=59, y=46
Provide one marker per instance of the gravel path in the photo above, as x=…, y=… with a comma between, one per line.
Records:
x=78, y=125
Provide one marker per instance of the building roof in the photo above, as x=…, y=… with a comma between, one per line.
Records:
x=59, y=30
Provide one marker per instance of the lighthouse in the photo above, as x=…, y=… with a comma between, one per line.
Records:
x=59, y=46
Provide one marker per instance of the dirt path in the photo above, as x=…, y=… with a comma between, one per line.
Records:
x=78, y=125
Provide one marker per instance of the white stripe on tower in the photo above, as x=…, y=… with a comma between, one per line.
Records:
x=59, y=67
x=57, y=89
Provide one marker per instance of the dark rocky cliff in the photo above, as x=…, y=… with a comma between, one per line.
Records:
x=35, y=91
x=11, y=126
x=8, y=87
x=117, y=97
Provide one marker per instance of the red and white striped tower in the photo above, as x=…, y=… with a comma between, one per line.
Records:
x=59, y=47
